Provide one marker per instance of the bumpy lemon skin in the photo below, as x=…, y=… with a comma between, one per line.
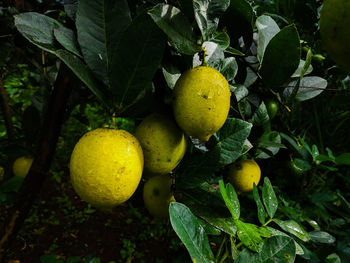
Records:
x=243, y=174
x=157, y=195
x=163, y=144
x=201, y=102
x=21, y=166
x=335, y=30
x=106, y=167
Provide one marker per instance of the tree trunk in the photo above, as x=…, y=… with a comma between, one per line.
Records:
x=41, y=164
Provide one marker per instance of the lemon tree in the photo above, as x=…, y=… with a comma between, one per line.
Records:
x=335, y=32
x=201, y=102
x=163, y=143
x=21, y=166
x=210, y=67
x=106, y=167
x=157, y=195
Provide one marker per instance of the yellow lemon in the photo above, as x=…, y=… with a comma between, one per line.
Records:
x=335, y=30
x=21, y=166
x=163, y=144
x=157, y=195
x=106, y=167
x=201, y=102
x=243, y=174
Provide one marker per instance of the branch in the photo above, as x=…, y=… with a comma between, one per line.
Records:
x=41, y=164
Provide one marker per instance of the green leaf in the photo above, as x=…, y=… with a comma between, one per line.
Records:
x=231, y=200
x=226, y=225
x=136, y=59
x=302, y=69
x=233, y=51
x=66, y=38
x=38, y=29
x=208, y=228
x=269, y=198
x=231, y=138
x=322, y=237
x=309, y=88
x=207, y=14
x=294, y=228
x=267, y=29
x=176, y=26
x=84, y=74
x=11, y=185
x=333, y=258
x=191, y=233
x=249, y=235
x=270, y=141
x=51, y=259
x=261, y=209
x=274, y=232
x=238, y=21
x=281, y=57
x=100, y=24
x=279, y=249
x=302, y=165
x=221, y=38
x=343, y=159
x=261, y=116
x=228, y=67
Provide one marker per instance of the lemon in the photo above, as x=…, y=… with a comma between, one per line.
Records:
x=335, y=30
x=106, y=167
x=21, y=166
x=201, y=102
x=2, y=173
x=157, y=195
x=163, y=144
x=243, y=174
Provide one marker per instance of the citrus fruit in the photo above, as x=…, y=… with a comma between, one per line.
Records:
x=243, y=174
x=2, y=173
x=21, y=166
x=106, y=167
x=201, y=102
x=335, y=30
x=272, y=108
x=157, y=195
x=163, y=143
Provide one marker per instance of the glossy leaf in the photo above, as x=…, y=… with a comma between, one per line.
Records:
x=279, y=249
x=228, y=67
x=177, y=27
x=221, y=38
x=260, y=207
x=67, y=39
x=136, y=59
x=249, y=235
x=309, y=88
x=301, y=68
x=100, y=24
x=231, y=138
x=343, y=159
x=270, y=141
x=38, y=29
x=226, y=225
x=84, y=74
x=322, y=237
x=267, y=29
x=190, y=232
x=269, y=198
x=333, y=258
x=229, y=195
x=294, y=228
x=207, y=14
x=281, y=57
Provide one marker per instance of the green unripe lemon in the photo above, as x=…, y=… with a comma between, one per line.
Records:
x=272, y=108
x=163, y=144
x=335, y=30
x=201, y=102
x=106, y=167
x=243, y=174
x=21, y=166
x=157, y=195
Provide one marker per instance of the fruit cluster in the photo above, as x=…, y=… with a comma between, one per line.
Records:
x=107, y=164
